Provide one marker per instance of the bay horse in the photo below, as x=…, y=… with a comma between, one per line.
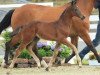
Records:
x=56, y=31
x=30, y=12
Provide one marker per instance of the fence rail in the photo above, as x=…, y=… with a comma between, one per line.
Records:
x=19, y=5
x=93, y=23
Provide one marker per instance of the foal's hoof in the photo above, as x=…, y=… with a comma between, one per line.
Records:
x=3, y=65
x=39, y=67
x=80, y=66
x=47, y=69
x=11, y=66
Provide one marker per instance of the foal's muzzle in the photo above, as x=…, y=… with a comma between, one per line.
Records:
x=83, y=17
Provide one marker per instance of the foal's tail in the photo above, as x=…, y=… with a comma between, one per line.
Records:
x=6, y=20
x=16, y=31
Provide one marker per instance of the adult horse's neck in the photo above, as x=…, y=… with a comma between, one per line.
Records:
x=86, y=6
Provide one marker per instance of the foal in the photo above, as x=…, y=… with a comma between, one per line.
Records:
x=56, y=31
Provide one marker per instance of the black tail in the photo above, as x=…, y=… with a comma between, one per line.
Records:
x=6, y=20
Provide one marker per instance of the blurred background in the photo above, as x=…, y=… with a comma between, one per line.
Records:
x=56, y=2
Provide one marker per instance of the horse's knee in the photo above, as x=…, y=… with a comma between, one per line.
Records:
x=36, y=39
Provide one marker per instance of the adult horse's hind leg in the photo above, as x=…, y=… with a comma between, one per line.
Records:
x=7, y=51
x=87, y=40
x=74, y=41
x=67, y=43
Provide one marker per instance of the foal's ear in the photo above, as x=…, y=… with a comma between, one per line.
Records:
x=73, y=2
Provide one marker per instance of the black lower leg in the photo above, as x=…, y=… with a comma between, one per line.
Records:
x=71, y=56
x=7, y=51
x=95, y=52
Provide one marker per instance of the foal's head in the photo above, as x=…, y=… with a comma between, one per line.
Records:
x=75, y=10
x=71, y=11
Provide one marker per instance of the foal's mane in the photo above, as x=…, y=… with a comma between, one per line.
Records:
x=65, y=11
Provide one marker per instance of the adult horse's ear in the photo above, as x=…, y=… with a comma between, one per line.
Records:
x=73, y=2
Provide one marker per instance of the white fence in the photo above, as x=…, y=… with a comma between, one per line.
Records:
x=19, y=5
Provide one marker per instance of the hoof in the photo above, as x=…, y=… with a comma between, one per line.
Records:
x=47, y=69
x=39, y=67
x=3, y=65
x=11, y=66
x=80, y=66
x=98, y=60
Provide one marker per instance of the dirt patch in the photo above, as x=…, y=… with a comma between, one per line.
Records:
x=60, y=70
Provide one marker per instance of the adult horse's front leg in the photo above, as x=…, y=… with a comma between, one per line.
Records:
x=74, y=41
x=67, y=43
x=87, y=40
x=55, y=53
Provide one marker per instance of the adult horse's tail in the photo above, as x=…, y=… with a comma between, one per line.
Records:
x=6, y=20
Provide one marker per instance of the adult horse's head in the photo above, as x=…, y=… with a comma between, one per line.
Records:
x=76, y=10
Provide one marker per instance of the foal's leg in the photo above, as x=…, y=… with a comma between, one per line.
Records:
x=87, y=40
x=55, y=53
x=17, y=53
x=34, y=49
x=74, y=41
x=67, y=43
x=29, y=47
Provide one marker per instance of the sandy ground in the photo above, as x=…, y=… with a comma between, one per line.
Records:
x=61, y=70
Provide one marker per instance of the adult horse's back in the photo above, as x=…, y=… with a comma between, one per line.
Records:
x=32, y=12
